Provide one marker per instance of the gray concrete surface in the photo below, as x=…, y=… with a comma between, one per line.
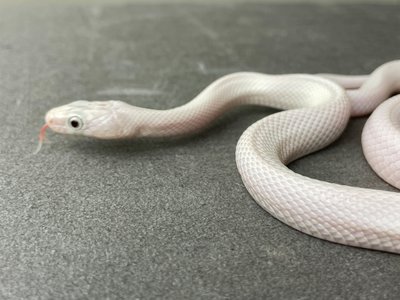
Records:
x=88, y=219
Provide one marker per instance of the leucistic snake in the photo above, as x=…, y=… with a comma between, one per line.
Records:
x=317, y=109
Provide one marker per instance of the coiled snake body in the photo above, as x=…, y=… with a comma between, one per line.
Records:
x=316, y=111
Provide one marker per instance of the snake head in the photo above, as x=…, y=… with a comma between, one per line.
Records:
x=90, y=118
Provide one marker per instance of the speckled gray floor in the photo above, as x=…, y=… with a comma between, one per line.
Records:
x=148, y=220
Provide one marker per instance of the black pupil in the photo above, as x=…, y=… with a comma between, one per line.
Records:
x=75, y=123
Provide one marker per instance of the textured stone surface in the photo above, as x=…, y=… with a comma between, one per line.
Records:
x=148, y=219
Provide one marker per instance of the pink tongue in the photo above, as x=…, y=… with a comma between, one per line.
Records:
x=42, y=135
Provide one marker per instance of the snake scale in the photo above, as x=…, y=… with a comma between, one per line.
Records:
x=315, y=111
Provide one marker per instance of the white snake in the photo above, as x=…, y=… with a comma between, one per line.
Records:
x=317, y=110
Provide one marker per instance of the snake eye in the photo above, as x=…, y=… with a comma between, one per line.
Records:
x=75, y=122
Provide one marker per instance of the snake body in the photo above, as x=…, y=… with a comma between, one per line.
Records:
x=316, y=111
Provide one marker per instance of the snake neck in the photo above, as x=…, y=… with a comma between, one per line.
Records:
x=219, y=97
x=179, y=121
x=135, y=122
x=163, y=123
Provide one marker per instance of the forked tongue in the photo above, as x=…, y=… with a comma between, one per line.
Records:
x=42, y=135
